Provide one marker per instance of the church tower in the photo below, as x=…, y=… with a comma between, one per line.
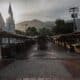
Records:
x=10, y=11
x=10, y=24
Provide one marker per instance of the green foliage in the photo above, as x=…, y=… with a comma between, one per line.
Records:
x=20, y=32
x=62, y=27
x=44, y=32
x=31, y=31
x=69, y=28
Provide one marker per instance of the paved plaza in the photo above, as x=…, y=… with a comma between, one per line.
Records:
x=49, y=63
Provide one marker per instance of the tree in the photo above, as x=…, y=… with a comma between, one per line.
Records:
x=20, y=32
x=44, y=32
x=63, y=27
x=31, y=31
x=69, y=28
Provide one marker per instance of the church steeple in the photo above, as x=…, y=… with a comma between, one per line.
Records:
x=10, y=10
x=10, y=24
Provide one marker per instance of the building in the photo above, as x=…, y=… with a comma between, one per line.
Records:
x=9, y=26
x=2, y=23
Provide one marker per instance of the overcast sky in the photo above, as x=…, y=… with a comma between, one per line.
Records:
x=46, y=10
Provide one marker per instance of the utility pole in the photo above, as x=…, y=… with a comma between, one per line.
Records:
x=74, y=14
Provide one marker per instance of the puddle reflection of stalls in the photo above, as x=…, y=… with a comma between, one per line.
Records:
x=41, y=54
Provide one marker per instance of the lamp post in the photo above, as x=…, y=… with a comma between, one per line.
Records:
x=74, y=14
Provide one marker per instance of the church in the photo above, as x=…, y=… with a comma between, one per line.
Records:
x=8, y=26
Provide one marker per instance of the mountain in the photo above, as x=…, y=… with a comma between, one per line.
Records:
x=33, y=23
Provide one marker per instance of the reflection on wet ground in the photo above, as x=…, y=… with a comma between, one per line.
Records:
x=53, y=62
x=52, y=52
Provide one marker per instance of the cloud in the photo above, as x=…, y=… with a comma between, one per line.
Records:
x=39, y=9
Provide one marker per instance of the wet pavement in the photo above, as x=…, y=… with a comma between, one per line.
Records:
x=53, y=62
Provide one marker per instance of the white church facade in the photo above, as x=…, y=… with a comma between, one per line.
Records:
x=8, y=26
